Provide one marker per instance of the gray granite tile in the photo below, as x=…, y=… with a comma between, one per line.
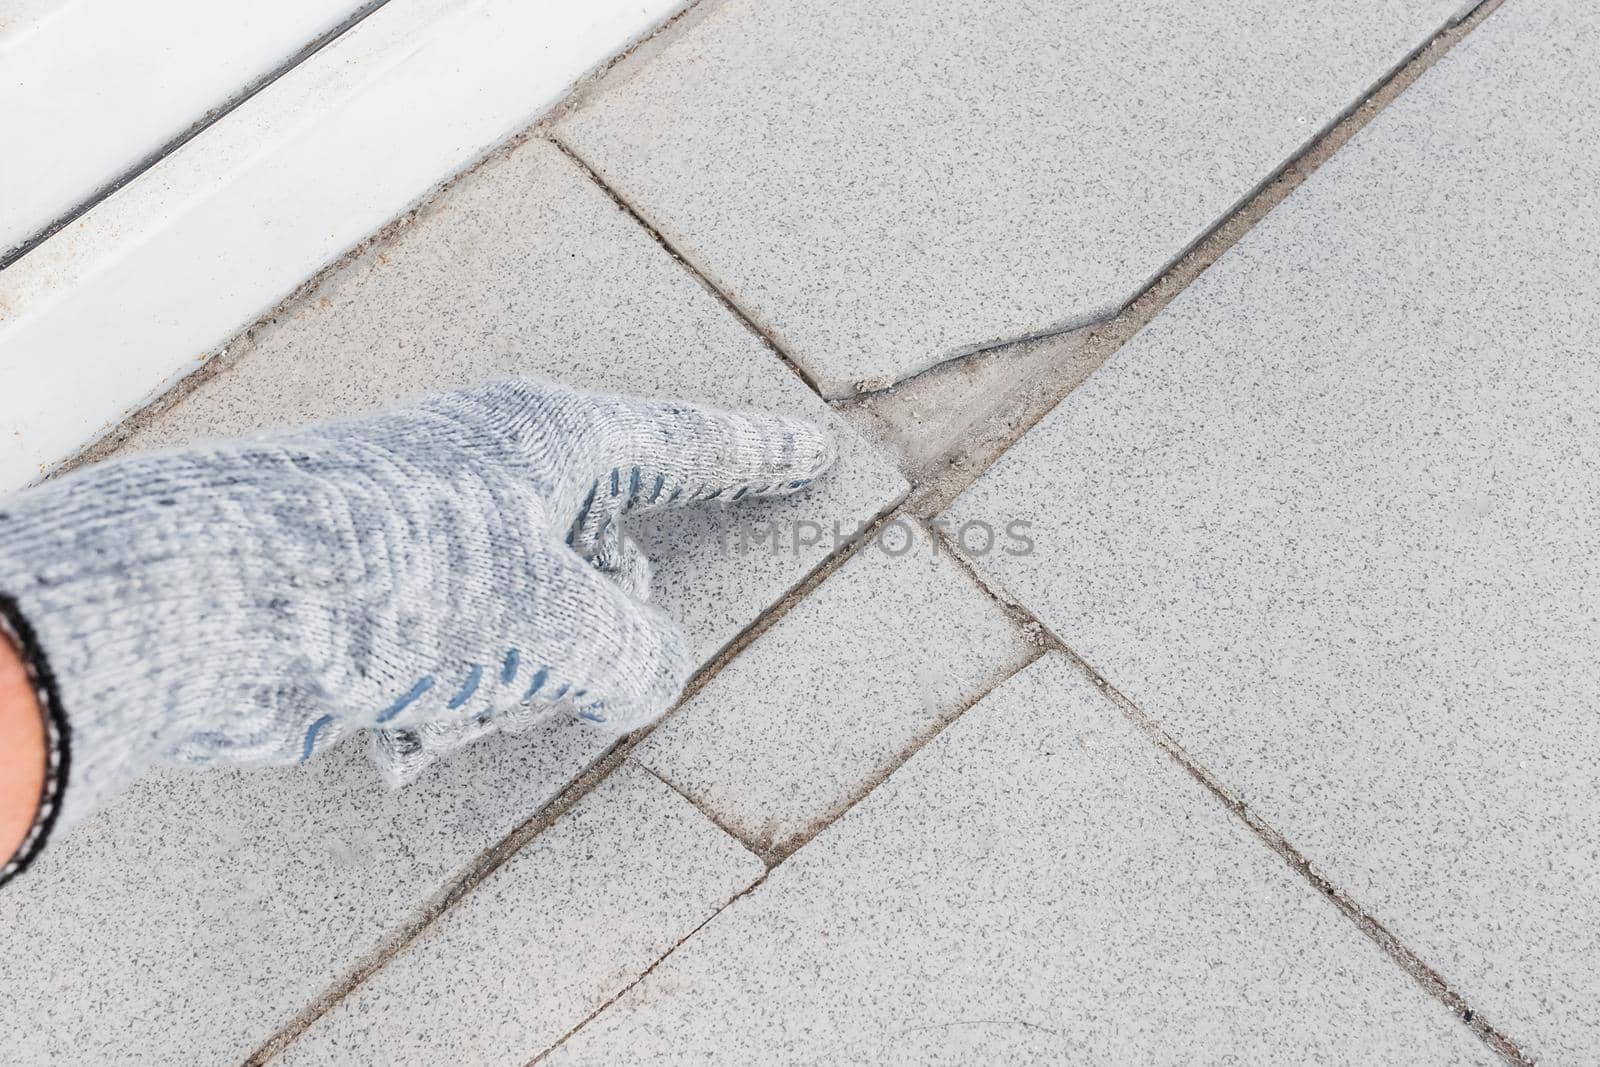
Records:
x=883, y=186
x=197, y=914
x=786, y=735
x=1331, y=517
x=1038, y=884
x=547, y=939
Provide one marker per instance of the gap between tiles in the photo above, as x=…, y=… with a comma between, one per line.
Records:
x=655, y=235
x=642, y=975
x=1408, y=961
x=774, y=855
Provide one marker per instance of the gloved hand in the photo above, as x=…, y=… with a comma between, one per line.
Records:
x=424, y=573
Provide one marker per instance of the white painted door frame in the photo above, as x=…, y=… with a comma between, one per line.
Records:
x=143, y=287
x=95, y=90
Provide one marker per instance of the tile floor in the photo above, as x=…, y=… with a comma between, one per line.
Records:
x=1323, y=526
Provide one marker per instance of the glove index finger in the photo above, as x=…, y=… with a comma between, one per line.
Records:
x=675, y=454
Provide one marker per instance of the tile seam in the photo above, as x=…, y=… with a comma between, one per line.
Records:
x=1429, y=978
x=728, y=303
x=597, y=1012
x=705, y=810
x=773, y=853
x=777, y=854
x=1419, y=970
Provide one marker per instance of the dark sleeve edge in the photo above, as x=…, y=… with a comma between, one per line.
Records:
x=58, y=736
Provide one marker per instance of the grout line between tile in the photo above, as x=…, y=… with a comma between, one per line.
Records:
x=711, y=287
x=458, y=887
x=772, y=853
x=775, y=855
x=704, y=809
x=1426, y=976
x=587, y=1019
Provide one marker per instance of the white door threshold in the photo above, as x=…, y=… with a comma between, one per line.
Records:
x=144, y=287
x=96, y=90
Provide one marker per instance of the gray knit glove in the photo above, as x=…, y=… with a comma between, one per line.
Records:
x=426, y=573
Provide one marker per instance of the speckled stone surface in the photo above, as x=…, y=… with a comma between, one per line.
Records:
x=199, y=913
x=1331, y=519
x=883, y=186
x=547, y=939
x=1039, y=884
x=831, y=696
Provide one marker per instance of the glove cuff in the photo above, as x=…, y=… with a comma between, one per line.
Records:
x=57, y=734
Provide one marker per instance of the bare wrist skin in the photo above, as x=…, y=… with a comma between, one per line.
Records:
x=22, y=752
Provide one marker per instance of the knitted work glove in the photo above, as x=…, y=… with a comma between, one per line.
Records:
x=426, y=573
